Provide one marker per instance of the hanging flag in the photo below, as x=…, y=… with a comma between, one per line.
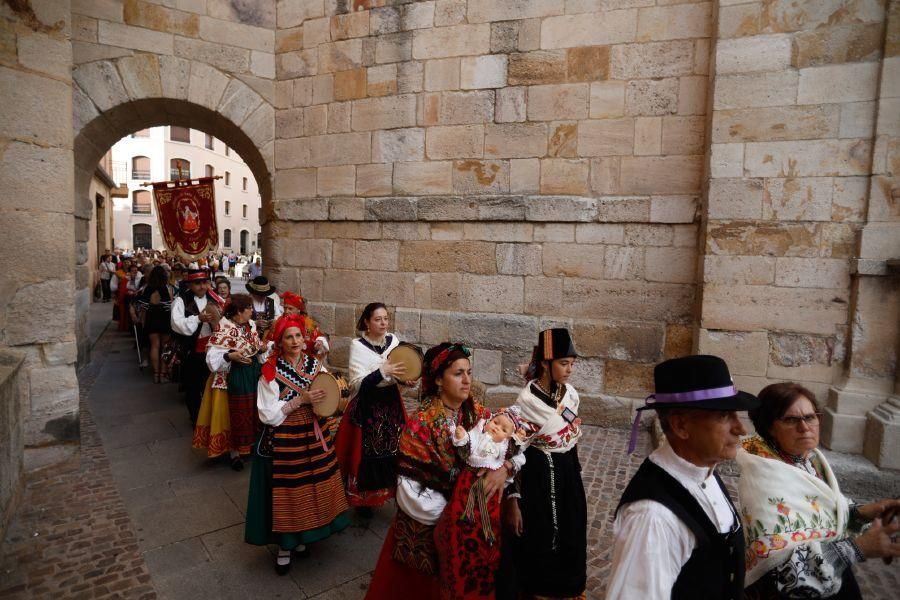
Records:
x=187, y=216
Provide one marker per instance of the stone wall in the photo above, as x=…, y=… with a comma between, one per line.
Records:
x=492, y=167
x=798, y=89
x=37, y=314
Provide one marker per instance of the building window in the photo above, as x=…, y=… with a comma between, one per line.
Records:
x=227, y=151
x=140, y=168
x=227, y=178
x=245, y=238
x=210, y=172
x=244, y=211
x=141, y=133
x=227, y=207
x=259, y=240
x=140, y=203
x=226, y=238
x=180, y=134
x=210, y=144
x=244, y=184
x=141, y=235
x=185, y=168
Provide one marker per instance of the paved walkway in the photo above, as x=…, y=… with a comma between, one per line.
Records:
x=144, y=516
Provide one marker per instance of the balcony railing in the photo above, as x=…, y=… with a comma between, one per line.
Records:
x=140, y=174
x=140, y=209
x=185, y=174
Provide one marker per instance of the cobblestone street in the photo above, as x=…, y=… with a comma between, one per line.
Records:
x=144, y=516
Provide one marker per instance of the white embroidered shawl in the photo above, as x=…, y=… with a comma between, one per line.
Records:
x=783, y=506
x=546, y=428
x=364, y=360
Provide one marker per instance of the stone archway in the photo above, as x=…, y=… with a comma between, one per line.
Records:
x=112, y=98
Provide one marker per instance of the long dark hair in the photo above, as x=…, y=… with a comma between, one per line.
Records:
x=367, y=314
x=158, y=279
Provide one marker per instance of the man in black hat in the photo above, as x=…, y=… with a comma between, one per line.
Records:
x=266, y=303
x=677, y=533
x=195, y=314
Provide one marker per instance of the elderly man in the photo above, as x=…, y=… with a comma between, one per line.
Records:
x=677, y=533
x=195, y=314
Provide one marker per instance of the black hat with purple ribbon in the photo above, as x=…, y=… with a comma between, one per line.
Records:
x=701, y=382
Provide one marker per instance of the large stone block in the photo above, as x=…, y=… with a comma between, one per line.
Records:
x=752, y=54
x=394, y=289
x=487, y=365
x=756, y=307
x=572, y=260
x=339, y=149
x=377, y=255
x=776, y=123
x=336, y=181
x=652, y=97
x=763, y=239
x=744, y=270
x=626, y=299
x=653, y=59
x=480, y=177
x=384, y=113
x=606, y=137
x=683, y=135
x=307, y=253
x=756, y=90
x=40, y=313
x=851, y=82
x=493, y=331
x=538, y=67
x=485, y=11
x=543, y=295
x=661, y=175
x=479, y=72
x=24, y=181
x=457, y=141
x=31, y=236
x=798, y=199
x=457, y=40
x=398, y=145
x=460, y=108
x=423, y=178
x=556, y=102
x=511, y=105
x=449, y=257
x=628, y=379
x=136, y=38
x=621, y=340
x=745, y=352
x=563, y=176
x=840, y=44
x=674, y=22
x=519, y=140
x=492, y=293
x=569, y=31
x=624, y=262
x=672, y=265
x=442, y=74
x=607, y=99
x=831, y=273
x=807, y=158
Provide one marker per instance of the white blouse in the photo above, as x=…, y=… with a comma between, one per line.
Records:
x=651, y=543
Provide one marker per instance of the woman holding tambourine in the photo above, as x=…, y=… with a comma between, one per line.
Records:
x=369, y=433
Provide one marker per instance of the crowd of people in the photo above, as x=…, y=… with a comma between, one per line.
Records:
x=490, y=503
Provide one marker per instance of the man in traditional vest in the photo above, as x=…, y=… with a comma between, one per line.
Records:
x=194, y=319
x=266, y=304
x=677, y=533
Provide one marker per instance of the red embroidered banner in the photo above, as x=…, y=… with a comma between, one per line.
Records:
x=187, y=216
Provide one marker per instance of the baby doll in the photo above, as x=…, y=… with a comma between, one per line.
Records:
x=468, y=549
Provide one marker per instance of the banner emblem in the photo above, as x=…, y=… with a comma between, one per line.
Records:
x=187, y=216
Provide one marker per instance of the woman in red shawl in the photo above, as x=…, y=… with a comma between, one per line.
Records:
x=296, y=494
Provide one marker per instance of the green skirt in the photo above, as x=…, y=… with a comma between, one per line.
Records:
x=258, y=528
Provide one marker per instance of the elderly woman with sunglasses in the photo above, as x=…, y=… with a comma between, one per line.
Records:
x=799, y=526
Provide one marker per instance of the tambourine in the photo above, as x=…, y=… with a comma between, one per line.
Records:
x=336, y=394
x=410, y=357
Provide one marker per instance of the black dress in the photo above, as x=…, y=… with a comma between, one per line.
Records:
x=158, y=306
x=551, y=555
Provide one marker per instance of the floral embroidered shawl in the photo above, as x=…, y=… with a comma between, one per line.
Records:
x=783, y=506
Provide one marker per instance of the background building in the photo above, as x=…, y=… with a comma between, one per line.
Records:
x=155, y=154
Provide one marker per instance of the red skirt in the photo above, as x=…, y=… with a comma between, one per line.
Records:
x=393, y=580
x=468, y=545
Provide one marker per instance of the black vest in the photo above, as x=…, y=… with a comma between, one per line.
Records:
x=715, y=569
x=190, y=310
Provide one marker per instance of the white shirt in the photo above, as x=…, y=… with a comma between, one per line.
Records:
x=260, y=307
x=651, y=543
x=188, y=325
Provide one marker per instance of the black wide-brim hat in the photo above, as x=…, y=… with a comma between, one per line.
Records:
x=554, y=344
x=260, y=285
x=701, y=381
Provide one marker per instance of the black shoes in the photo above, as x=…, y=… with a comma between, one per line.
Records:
x=237, y=464
x=365, y=512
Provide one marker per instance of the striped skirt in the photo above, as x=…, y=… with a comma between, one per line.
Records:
x=299, y=488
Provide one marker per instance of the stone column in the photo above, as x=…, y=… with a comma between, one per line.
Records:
x=857, y=418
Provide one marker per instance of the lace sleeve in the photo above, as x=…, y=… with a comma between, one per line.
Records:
x=814, y=570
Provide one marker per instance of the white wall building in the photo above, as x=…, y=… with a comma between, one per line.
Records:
x=153, y=155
